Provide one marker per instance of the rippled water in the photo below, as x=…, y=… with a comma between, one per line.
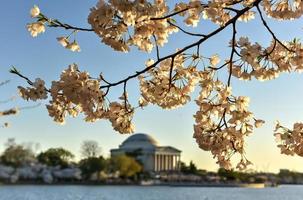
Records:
x=147, y=193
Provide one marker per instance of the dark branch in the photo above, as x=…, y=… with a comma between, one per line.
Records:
x=56, y=23
x=15, y=71
x=269, y=30
x=170, y=15
x=157, y=47
x=186, y=32
x=233, y=50
x=218, y=30
x=171, y=72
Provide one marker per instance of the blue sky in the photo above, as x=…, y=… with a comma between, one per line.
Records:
x=44, y=57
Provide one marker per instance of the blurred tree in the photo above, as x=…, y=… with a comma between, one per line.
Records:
x=228, y=174
x=190, y=169
x=90, y=149
x=56, y=157
x=16, y=155
x=125, y=165
x=92, y=165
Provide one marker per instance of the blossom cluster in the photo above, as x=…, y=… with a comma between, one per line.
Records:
x=76, y=92
x=222, y=122
x=121, y=115
x=283, y=9
x=38, y=27
x=73, y=46
x=34, y=93
x=267, y=63
x=12, y=111
x=123, y=23
x=192, y=12
x=171, y=84
x=112, y=20
x=217, y=11
x=116, y=20
x=289, y=141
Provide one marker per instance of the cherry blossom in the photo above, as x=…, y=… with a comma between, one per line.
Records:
x=223, y=120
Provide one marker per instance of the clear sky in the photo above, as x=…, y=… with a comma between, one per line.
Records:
x=44, y=57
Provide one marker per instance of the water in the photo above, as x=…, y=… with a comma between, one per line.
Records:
x=147, y=193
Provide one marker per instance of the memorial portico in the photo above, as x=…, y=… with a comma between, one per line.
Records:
x=153, y=157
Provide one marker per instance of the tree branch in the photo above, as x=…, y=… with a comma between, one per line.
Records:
x=269, y=30
x=233, y=49
x=218, y=30
x=184, y=31
x=157, y=47
x=57, y=23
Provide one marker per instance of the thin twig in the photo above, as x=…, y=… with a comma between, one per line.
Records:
x=171, y=72
x=269, y=30
x=57, y=23
x=232, y=53
x=157, y=47
x=184, y=31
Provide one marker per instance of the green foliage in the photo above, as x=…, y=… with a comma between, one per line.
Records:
x=92, y=165
x=190, y=169
x=287, y=176
x=231, y=175
x=125, y=165
x=17, y=155
x=228, y=174
x=55, y=157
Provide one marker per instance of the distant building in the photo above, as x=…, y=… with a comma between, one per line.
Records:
x=146, y=150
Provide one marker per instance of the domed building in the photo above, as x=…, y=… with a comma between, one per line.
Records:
x=149, y=153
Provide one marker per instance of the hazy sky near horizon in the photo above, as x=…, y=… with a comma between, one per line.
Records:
x=43, y=57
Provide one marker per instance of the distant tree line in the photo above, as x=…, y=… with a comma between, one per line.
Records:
x=91, y=164
x=95, y=167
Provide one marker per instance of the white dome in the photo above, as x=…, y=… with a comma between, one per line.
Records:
x=139, y=140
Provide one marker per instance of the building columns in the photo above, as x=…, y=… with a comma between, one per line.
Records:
x=161, y=162
x=177, y=163
x=166, y=162
x=155, y=162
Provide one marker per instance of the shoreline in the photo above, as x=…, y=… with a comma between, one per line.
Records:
x=225, y=185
